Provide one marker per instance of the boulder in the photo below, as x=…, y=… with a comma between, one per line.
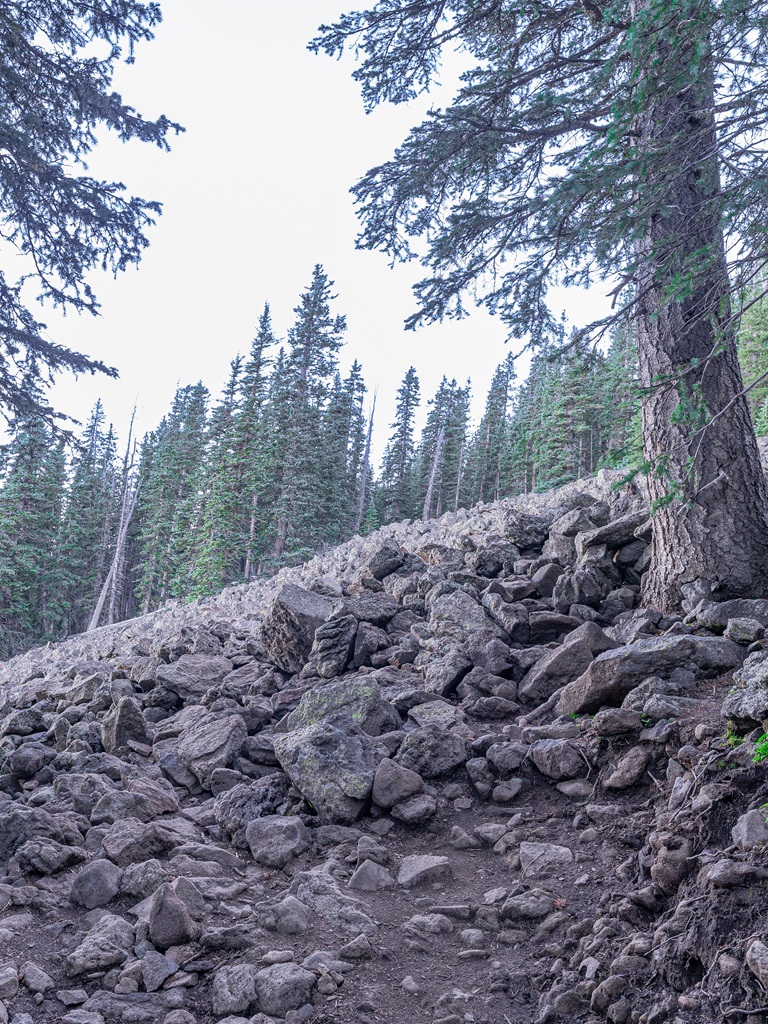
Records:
x=357, y=697
x=444, y=673
x=125, y=723
x=211, y=742
x=615, y=534
x=283, y=987
x=559, y=759
x=107, y=943
x=459, y=615
x=96, y=884
x=385, y=560
x=170, y=923
x=289, y=631
x=747, y=702
x=420, y=869
x=511, y=618
x=713, y=615
x=332, y=763
x=431, y=752
x=275, y=841
x=566, y=663
x=236, y=808
x=393, y=783
x=333, y=645
x=542, y=860
x=234, y=989
x=193, y=675
x=612, y=675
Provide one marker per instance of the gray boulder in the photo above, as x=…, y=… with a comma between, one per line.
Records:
x=566, y=663
x=211, y=742
x=393, y=783
x=612, y=675
x=107, y=943
x=333, y=646
x=289, y=631
x=234, y=989
x=125, y=723
x=459, y=615
x=512, y=618
x=358, y=697
x=283, y=987
x=275, y=841
x=713, y=615
x=96, y=884
x=236, y=808
x=747, y=703
x=431, y=752
x=170, y=923
x=332, y=763
x=193, y=675
x=559, y=759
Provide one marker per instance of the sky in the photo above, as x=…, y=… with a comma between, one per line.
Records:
x=255, y=193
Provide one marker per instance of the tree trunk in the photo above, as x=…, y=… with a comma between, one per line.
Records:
x=433, y=473
x=711, y=521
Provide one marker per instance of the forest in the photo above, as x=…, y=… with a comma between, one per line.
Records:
x=279, y=467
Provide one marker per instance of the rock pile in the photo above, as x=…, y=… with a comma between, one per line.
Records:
x=452, y=772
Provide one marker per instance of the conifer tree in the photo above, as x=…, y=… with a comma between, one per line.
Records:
x=486, y=455
x=397, y=472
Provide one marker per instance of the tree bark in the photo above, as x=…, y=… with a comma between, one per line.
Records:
x=711, y=521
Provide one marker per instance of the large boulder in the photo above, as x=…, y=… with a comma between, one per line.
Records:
x=237, y=807
x=289, y=631
x=211, y=742
x=612, y=675
x=459, y=615
x=713, y=615
x=358, y=697
x=332, y=763
x=193, y=675
x=565, y=663
x=333, y=645
x=123, y=725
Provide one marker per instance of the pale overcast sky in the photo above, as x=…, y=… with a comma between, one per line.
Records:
x=255, y=193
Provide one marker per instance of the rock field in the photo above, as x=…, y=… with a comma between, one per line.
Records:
x=450, y=773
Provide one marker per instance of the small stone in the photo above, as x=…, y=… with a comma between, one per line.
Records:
x=410, y=985
x=416, y=809
x=9, y=981
x=35, y=978
x=751, y=831
x=757, y=961
x=371, y=877
x=423, y=869
x=541, y=860
x=155, y=969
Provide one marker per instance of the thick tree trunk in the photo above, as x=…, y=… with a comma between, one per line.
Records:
x=711, y=522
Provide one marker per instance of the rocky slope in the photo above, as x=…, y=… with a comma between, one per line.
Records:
x=452, y=772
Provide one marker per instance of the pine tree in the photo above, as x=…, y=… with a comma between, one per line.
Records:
x=397, y=470
x=31, y=500
x=753, y=351
x=310, y=365
x=486, y=455
x=626, y=101
x=57, y=98
x=169, y=469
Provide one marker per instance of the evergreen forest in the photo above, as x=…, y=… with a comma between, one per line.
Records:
x=225, y=489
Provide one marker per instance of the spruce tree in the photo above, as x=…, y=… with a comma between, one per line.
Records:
x=653, y=115
x=397, y=469
x=57, y=100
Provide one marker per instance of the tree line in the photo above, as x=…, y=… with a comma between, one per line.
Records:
x=279, y=467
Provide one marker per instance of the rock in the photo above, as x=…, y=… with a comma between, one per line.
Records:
x=559, y=759
x=130, y=841
x=528, y=905
x=577, y=587
x=716, y=615
x=108, y=942
x=541, y=860
x=192, y=675
x=458, y=615
x=235, y=809
x=9, y=981
x=566, y=663
x=332, y=763
x=512, y=618
x=744, y=631
x=393, y=783
x=283, y=987
x=275, y=841
x=417, y=869
x=124, y=724
x=747, y=702
x=211, y=742
x=612, y=675
x=615, y=534
x=430, y=752
x=371, y=877
x=545, y=578
x=46, y=856
x=629, y=770
x=507, y=756
x=444, y=673
x=416, y=809
x=358, y=697
x=169, y=922
x=751, y=831
x=757, y=961
x=385, y=560
x=96, y=884
x=155, y=969
x=672, y=863
x=617, y=721
x=333, y=645
x=234, y=989
x=289, y=631
x=35, y=978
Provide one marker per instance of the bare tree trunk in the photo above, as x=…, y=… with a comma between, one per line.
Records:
x=251, y=535
x=712, y=523
x=117, y=559
x=364, y=479
x=433, y=473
